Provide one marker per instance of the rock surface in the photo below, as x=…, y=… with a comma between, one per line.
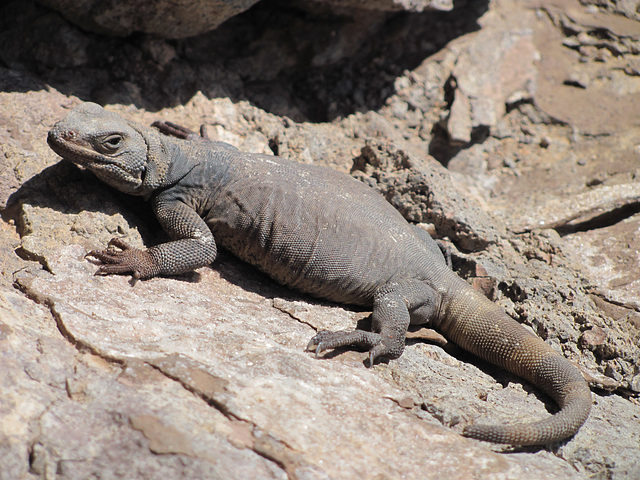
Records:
x=508, y=130
x=187, y=18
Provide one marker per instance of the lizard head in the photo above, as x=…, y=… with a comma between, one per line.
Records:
x=105, y=143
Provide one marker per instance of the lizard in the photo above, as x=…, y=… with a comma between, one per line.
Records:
x=319, y=231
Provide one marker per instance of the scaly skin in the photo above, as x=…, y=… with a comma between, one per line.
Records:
x=481, y=327
x=316, y=230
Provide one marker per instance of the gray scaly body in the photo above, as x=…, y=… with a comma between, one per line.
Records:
x=318, y=231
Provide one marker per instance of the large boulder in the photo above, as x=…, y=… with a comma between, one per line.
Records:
x=187, y=18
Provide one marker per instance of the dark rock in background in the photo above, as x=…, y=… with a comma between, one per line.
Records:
x=188, y=18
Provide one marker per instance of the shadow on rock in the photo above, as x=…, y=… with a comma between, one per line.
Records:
x=308, y=62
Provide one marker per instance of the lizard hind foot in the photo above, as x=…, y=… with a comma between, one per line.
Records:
x=174, y=130
x=327, y=340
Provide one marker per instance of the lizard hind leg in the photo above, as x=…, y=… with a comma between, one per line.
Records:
x=395, y=306
x=174, y=130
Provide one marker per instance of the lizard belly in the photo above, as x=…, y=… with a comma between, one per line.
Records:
x=326, y=252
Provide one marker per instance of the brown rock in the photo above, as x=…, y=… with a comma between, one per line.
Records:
x=393, y=5
x=482, y=94
x=593, y=338
x=187, y=18
x=162, y=438
x=173, y=19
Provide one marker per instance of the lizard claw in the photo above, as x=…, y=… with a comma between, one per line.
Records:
x=315, y=344
x=380, y=351
x=372, y=358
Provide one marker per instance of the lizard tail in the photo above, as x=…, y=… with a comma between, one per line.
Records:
x=484, y=329
x=557, y=427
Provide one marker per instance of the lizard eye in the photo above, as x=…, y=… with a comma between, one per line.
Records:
x=111, y=143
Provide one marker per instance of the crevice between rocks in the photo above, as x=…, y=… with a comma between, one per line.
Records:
x=30, y=256
x=208, y=399
x=597, y=208
x=275, y=304
x=22, y=284
x=262, y=443
x=599, y=220
x=635, y=306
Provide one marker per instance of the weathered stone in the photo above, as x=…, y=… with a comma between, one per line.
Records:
x=593, y=338
x=558, y=212
x=393, y=5
x=492, y=69
x=592, y=36
x=224, y=343
x=628, y=8
x=175, y=19
x=187, y=18
x=459, y=124
x=424, y=191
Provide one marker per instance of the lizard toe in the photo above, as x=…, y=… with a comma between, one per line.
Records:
x=115, y=269
x=121, y=244
x=383, y=351
x=326, y=340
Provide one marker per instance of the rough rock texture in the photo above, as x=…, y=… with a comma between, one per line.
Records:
x=424, y=192
x=390, y=5
x=167, y=19
x=628, y=8
x=187, y=18
x=205, y=375
x=490, y=71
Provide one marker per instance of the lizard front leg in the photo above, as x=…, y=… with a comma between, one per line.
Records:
x=194, y=247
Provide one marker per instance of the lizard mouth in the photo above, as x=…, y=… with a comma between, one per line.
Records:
x=66, y=143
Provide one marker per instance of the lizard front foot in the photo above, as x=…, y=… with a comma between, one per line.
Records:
x=124, y=259
x=326, y=340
